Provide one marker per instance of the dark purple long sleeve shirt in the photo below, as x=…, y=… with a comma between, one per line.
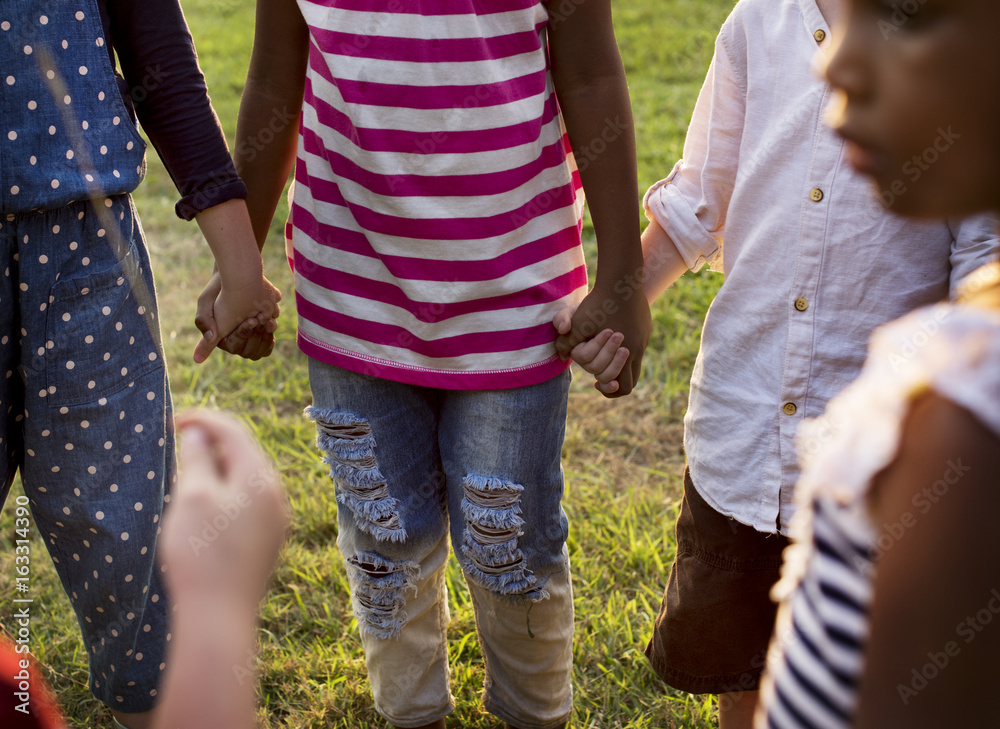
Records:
x=164, y=86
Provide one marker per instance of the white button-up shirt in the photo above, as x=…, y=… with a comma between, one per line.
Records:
x=812, y=261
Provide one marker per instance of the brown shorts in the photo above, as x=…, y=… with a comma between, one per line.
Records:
x=716, y=619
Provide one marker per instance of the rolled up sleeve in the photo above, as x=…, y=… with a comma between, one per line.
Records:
x=692, y=201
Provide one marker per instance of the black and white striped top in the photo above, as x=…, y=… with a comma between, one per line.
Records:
x=816, y=654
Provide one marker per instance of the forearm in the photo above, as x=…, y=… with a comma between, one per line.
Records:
x=598, y=119
x=271, y=103
x=210, y=677
x=265, y=167
x=589, y=80
x=590, y=83
x=663, y=263
x=227, y=230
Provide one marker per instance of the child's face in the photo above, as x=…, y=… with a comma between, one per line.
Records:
x=919, y=82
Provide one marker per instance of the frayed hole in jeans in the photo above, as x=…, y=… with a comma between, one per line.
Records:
x=379, y=590
x=349, y=445
x=493, y=523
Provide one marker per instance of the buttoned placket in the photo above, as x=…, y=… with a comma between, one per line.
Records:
x=809, y=245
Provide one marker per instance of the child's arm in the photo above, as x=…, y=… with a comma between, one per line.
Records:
x=604, y=356
x=243, y=304
x=664, y=263
x=937, y=587
x=688, y=210
x=593, y=95
x=215, y=587
x=272, y=100
x=157, y=57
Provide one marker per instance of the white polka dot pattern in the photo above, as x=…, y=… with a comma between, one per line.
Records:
x=76, y=144
x=95, y=454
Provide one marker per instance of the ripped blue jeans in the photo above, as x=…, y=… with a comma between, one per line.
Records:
x=412, y=464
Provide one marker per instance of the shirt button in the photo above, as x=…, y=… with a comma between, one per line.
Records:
x=820, y=36
x=801, y=304
x=789, y=408
x=816, y=195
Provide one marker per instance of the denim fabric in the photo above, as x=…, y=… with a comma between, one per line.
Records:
x=65, y=133
x=413, y=463
x=85, y=414
x=84, y=402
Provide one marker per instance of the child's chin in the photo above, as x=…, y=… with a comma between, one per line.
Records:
x=865, y=161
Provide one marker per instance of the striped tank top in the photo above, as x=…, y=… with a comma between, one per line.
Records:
x=436, y=212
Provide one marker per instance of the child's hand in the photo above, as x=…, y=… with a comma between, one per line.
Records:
x=238, y=296
x=226, y=520
x=603, y=356
x=625, y=314
x=251, y=337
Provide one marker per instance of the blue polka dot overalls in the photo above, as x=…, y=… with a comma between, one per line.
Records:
x=84, y=402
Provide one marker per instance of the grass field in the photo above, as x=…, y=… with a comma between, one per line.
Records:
x=623, y=458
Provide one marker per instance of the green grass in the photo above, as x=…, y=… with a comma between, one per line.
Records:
x=623, y=458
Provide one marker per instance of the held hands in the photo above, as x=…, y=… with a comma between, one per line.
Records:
x=237, y=309
x=607, y=335
x=603, y=356
x=240, y=321
x=226, y=522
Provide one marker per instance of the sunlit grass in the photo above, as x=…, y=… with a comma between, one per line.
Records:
x=622, y=458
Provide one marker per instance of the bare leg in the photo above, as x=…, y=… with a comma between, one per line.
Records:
x=736, y=709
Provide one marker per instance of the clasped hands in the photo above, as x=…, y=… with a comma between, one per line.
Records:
x=607, y=336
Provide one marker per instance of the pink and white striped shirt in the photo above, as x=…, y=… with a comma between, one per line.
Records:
x=436, y=213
